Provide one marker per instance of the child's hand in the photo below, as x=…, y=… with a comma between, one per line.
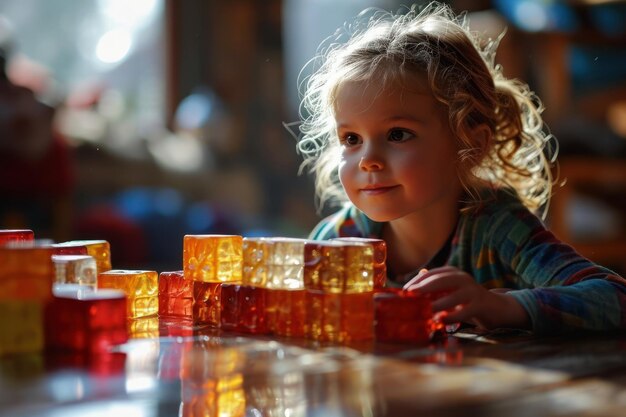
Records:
x=467, y=301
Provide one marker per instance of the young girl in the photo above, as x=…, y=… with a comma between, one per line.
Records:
x=446, y=160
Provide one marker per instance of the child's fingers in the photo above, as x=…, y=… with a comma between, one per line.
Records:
x=449, y=301
x=417, y=278
x=424, y=274
x=438, y=279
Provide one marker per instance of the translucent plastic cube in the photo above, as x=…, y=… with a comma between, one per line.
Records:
x=339, y=317
x=207, y=303
x=273, y=262
x=243, y=309
x=212, y=258
x=380, y=258
x=141, y=289
x=92, y=321
x=403, y=317
x=339, y=267
x=99, y=249
x=75, y=269
x=26, y=273
x=175, y=295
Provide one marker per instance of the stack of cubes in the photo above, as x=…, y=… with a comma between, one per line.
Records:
x=210, y=261
x=80, y=317
x=329, y=291
x=100, y=250
x=339, y=279
x=273, y=278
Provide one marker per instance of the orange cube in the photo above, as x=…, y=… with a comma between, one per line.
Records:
x=285, y=312
x=339, y=317
x=212, y=258
x=26, y=273
x=141, y=289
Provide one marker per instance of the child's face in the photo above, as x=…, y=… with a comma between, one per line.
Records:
x=398, y=154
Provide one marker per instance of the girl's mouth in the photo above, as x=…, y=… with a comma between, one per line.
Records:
x=376, y=189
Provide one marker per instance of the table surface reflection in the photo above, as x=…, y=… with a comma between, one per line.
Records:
x=202, y=372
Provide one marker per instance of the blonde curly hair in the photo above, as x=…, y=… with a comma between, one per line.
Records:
x=383, y=46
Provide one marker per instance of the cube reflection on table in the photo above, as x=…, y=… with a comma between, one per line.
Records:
x=99, y=249
x=75, y=269
x=175, y=295
x=212, y=258
x=212, y=382
x=339, y=317
x=16, y=235
x=141, y=289
x=339, y=266
x=143, y=327
x=380, y=258
x=79, y=320
x=21, y=326
x=403, y=316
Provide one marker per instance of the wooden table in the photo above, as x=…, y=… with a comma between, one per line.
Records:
x=503, y=373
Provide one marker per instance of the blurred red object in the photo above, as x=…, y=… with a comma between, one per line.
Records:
x=16, y=235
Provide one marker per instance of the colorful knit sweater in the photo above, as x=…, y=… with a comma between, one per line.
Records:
x=504, y=245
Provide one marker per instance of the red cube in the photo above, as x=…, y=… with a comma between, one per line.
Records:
x=92, y=321
x=403, y=316
x=286, y=311
x=175, y=295
x=243, y=309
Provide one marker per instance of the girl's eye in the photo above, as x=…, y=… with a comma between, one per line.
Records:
x=350, y=140
x=398, y=135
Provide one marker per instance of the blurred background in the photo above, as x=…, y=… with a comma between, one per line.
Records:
x=140, y=121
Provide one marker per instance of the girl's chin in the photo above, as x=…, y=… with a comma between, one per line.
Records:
x=378, y=216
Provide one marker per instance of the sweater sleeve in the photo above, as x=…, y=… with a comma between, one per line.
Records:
x=560, y=289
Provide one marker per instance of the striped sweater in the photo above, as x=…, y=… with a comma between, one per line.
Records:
x=503, y=245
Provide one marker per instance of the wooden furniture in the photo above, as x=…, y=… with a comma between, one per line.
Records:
x=596, y=175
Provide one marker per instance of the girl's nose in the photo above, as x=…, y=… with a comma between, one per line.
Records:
x=371, y=161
